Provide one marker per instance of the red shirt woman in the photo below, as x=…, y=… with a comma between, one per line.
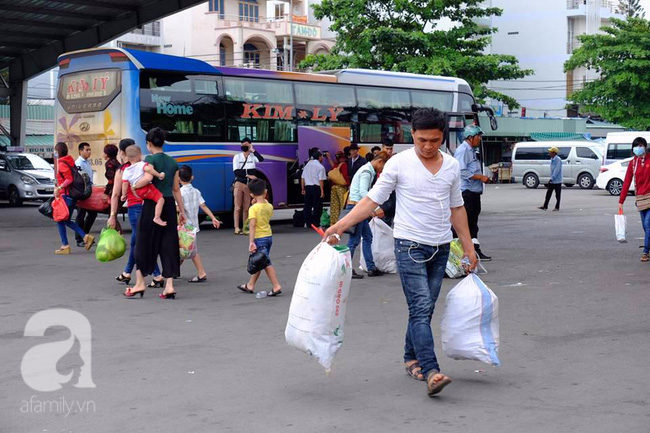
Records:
x=639, y=170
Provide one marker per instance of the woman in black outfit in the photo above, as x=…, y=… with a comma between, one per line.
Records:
x=154, y=240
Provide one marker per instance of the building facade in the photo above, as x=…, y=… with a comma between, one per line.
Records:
x=543, y=34
x=247, y=33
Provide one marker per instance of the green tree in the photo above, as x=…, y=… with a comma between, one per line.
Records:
x=621, y=57
x=403, y=36
x=631, y=8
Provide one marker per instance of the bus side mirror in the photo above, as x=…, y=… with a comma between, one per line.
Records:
x=490, y=112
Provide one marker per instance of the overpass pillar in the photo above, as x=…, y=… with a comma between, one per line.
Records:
x=18, y=106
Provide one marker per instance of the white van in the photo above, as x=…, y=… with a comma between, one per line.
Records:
x=619, y=145
x=581, y=162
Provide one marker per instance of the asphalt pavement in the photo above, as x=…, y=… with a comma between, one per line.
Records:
x=574, y=336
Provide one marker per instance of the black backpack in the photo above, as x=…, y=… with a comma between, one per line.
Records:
x=298, y=218
x=80, y=188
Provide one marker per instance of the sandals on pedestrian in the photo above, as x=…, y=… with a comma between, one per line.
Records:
x=645, y=257
x=244, y=288
x=435, y=386
x=122, y=279
x=238, y=232
x=272, y=293
x=414, y=370
x=197, y=279
x=156, y=283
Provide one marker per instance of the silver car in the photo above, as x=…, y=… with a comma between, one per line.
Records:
x=24, y=177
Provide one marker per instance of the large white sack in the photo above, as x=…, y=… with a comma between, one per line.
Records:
x=383, y=247
x=470, y=323
x=620, y=224
x=317, y=311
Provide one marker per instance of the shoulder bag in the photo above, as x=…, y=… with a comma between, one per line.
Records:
x=642, y=201
x=232, y=185
x=336, y=177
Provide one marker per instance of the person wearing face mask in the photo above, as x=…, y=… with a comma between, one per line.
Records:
x=555, y=183
x=243, y=165
x=639, y=170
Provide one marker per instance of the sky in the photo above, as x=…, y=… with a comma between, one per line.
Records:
x=646, y=6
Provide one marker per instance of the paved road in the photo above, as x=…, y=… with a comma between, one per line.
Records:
x=574, y=330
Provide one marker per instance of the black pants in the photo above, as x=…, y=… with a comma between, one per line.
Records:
x=313, y=205
x=85, y=219
x=153, y=240
x=557, y=187
x=473, y=208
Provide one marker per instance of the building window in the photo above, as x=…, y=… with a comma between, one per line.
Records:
x=279, y=11
x=251, y=55
x=216, y=6
x=249, y=11
x=222, y=55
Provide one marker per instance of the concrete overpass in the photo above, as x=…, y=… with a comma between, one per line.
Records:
x=33, y=33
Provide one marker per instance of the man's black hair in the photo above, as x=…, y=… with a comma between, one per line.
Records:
x=257, y=187
x=246, y=140
x=428, y=118
x=375, y=148
x=156, y=136
x=185, y=173
x=82, y=145
x=315, y=154
x=387, y=142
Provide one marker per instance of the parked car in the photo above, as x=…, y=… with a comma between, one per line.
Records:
x=611, y=177
x=581, y=161
x=24, y=177
x=619, y=145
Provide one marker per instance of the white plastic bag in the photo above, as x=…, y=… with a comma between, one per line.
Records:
x=317, y=311
x=470, y=323
x=383, y=247
x=620, y=222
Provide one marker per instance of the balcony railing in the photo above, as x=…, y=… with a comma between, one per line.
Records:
x=151, y=29
x=577, y=4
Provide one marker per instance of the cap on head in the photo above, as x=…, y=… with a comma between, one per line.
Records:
x=472, y=130
x=554, y=150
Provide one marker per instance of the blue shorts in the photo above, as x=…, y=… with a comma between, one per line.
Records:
x=264, y=245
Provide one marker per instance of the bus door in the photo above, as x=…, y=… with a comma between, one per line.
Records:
x=327, y=139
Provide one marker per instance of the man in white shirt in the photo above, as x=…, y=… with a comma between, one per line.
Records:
x=313, y=188
x=429, y=202
x=85, y=218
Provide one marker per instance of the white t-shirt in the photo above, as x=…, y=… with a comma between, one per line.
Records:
x=133, y=172
x=313, y=173
x=424, y=200
x=238, y=161
x=192, y=201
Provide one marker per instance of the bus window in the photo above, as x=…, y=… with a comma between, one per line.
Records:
x=168, y=101
x=91, y=91
x=384, y=113
x=260, y=109
x=443, y=101
x=325, y=104
x=465, y=103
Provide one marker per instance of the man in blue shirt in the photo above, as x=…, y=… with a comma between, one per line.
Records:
x=471, y=181
x=85, y=218
x=556, y=180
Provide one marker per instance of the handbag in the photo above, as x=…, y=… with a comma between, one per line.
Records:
x=232, y=185
x=60, y=211
x=336, y=177
x=642, y=201
x=46, y=208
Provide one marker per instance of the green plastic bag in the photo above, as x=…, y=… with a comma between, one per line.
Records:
x=454, y=265
x=325, y=219
x=111, y=246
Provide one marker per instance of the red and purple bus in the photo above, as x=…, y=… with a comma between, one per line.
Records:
x=106, y=94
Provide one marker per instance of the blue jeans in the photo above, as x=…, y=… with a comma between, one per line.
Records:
x=134, y=215
x=362, y=230
x=61, y=225
x=264, y=245
x=421, y=269
x=645, y=221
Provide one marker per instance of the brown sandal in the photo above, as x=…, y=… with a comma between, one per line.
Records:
x=433, y=386
x=645, y=257
x=414, y=370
